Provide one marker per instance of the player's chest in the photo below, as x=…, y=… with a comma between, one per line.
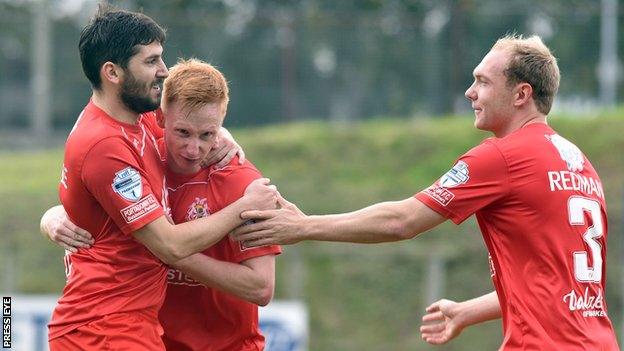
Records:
x=191, y=203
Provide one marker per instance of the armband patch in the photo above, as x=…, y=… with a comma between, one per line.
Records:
x=127, y=183
x=456, y=176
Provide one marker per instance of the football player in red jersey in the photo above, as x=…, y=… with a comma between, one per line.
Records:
x=212, y=298
x=538, y=201
x=216, y=308
x=225, y=283
x=113, y=186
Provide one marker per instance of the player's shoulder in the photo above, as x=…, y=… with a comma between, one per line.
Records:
x=532, y=139
x=93, y=128
x=234, y=168
x=82, y=140
x=488, y=148
x=231, y=180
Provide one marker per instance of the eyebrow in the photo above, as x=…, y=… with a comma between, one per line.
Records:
x=152, y=56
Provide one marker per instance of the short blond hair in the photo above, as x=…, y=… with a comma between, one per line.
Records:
x=195, y=83
x=531, y=62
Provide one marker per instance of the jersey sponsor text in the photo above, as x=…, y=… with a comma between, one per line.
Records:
x=592, y=306
x=176, y=277
x=442, y=195
x=140, y=209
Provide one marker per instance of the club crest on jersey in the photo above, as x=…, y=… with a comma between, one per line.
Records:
x=456, y=176
x=198, y=209
x=569, y=152
x=127, y=183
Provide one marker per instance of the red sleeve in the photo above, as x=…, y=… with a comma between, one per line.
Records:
x=230, y=184
x=114, y=175
x=479, y=178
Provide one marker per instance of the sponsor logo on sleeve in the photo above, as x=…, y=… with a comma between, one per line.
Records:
x=456, y=176
x=127, y=183
x=441, y=195
x=139, y=209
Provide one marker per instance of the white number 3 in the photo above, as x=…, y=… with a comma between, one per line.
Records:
x=577, y=207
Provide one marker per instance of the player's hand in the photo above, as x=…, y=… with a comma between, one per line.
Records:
x=224, y=151
x=260, y=195
x=56, y=226
x=271, y=227
x=441, y=323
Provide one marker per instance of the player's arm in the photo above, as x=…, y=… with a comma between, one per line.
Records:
x=171, y=243
x=445, y=319
x=382, y=222
x=252, y=280
x=56, y=226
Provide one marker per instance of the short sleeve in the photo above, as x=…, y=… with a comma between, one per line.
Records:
x=230, y=184
x=114, y=175
x=478, y=178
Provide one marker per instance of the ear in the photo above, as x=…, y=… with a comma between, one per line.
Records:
x=111, y=72
x=524, y=93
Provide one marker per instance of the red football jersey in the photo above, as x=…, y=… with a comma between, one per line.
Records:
x=112, y=184
x=200, y=318
x=542, y=212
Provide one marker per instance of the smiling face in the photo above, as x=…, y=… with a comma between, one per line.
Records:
x=141, y=88
x=491, y=97
x=190, y=134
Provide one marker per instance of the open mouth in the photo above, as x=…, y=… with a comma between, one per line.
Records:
x=157, y=85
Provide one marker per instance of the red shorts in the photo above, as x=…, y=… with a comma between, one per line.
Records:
x=117, y=331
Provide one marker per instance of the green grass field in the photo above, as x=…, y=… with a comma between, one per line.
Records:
x=360, y=297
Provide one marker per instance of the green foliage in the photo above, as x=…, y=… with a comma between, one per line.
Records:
x=288, y=60
x=360, y=297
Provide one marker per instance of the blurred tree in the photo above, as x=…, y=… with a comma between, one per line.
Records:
x=338, y=60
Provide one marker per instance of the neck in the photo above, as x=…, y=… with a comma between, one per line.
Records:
x=520, y=122
x=110, y=103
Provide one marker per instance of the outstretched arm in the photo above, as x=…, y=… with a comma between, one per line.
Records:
x=382, y=222
x=252, y=280
x=445, y=319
